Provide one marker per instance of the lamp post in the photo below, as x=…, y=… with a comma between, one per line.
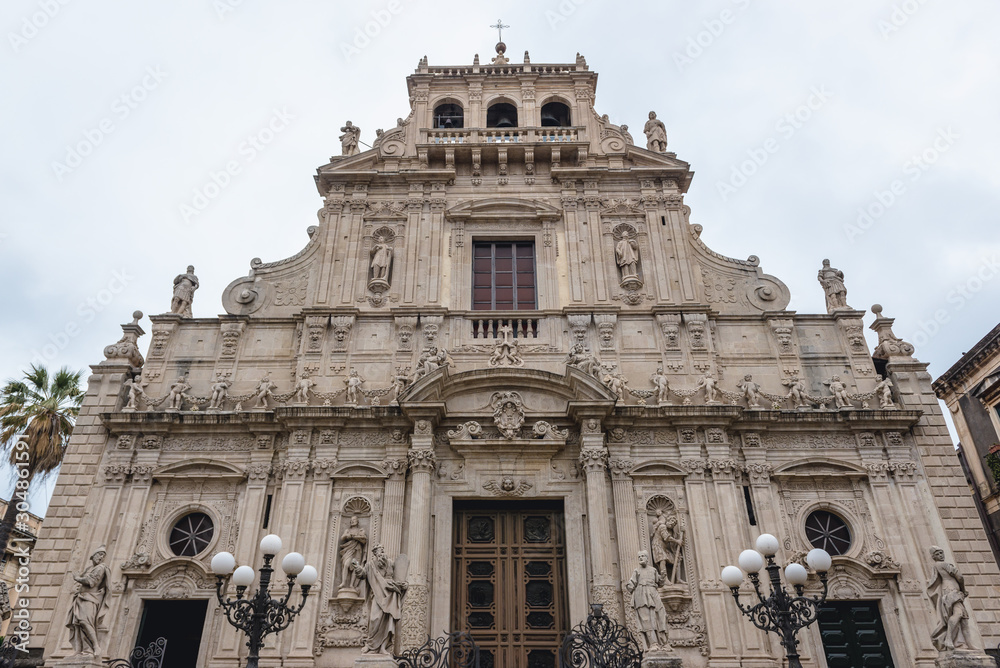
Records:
x=259, y=615
x=780, y=612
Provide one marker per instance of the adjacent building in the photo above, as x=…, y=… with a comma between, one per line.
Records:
x=971, y=390
x=506, y=352
x=22, y=538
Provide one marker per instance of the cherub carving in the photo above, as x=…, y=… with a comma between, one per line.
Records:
x=220, y=392
x=711, y=385
x=750, y=390
x=263, y=392
x=839, y=391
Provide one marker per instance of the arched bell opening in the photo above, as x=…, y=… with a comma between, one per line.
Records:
x=501, y=115
x=555, y=115
x=449, y=116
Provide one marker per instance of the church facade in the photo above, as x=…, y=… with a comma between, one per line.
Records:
x=505, y=352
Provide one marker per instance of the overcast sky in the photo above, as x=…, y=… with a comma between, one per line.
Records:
x=795, y=116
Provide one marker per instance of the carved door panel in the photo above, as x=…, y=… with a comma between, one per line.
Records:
x=510, y=581
x=853, y=635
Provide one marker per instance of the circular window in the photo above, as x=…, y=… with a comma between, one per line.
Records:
x=191, y=534
x=827, y=531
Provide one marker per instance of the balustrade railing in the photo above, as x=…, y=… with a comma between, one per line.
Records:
x=490, y=328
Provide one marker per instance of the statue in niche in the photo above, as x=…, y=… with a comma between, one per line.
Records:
x=656, y=134
x=667, y=543
x=832, y=281
x=349, y=140
x=178, y=393
x=263, y=392
x=647, y=603
x=89, y=605
x=839, y=391
x=386, y=586
x=354, y=382
x=796, y=391
x=302, y=388
x=750, y=390
x=883, y=390
x=662, y=385
x=352, y=551
x=184, y=287
x=381, y=260
x=947, y=592
x=711, y=385
x=220, y=392
x=627, y=254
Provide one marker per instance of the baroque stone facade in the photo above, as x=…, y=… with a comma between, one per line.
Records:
x=651, y=392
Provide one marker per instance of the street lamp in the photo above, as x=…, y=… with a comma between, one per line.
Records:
x=779, y=613
x=259, y=615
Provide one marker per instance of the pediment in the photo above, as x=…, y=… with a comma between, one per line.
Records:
x=658, y=468
x=504, y=208
x=544, y=393
x=818, y=466
x=199, y=468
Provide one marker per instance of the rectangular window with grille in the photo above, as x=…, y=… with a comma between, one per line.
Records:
x=503, y=276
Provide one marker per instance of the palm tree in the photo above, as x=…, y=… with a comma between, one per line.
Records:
x=40, y=411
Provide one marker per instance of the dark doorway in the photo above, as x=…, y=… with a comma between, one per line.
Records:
x=853, y=635
x=510, y=581
x=181, y=623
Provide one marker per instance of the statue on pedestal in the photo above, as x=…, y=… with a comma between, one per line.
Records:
x=648, y=606
x=386, y=585
x=832, y=281
x=184, y=287
x=89, y=605
x=662, y=385
x=656, y=134
x=349, y=140
x=947, y=592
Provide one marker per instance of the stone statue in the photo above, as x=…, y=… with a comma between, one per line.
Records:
x=349, y=140
x=648, y=606
x=839, y=391
x=354, y=382
x=89, y=605
x=220, y=392
x=178, y=393
x=832, y=281
x=883, y=390
x=352, y=550
x=796, y=391
x=302, y=389
x=750, y=390
x=184, y=287
x=666, y=545
x=400, y=381
x=627, y=254
x=381, y=260
x=656, y=134
x=662, y=385
x=134, y=386
x=616, y=383
x=582, y=359
x=711, y=386
x=5, y=609
x=947, y=592
x=263, y=392
x=386, y=586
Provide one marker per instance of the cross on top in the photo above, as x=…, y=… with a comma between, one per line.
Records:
x=500, y=26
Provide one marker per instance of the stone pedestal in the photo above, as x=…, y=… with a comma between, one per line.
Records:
x=374, y=661
x=658, y=658
x=79, y=661
x=964, y=658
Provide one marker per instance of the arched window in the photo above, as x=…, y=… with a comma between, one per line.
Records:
x=827, y=531
x=555, y=115
x=501, y=115
x=448, y=116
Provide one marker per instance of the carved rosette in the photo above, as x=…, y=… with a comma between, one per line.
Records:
x=422, y=460
x=593, y=460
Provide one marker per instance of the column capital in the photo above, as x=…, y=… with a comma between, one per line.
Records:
x=594, y=460
x=422, y=460
x=621, y=469
x=759, y=473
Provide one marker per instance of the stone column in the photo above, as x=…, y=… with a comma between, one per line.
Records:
x=416, y=603
x=594, y=461
x=392, y=506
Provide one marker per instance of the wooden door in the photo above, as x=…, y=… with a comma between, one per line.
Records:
x=853, y=635
x=510, y=581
